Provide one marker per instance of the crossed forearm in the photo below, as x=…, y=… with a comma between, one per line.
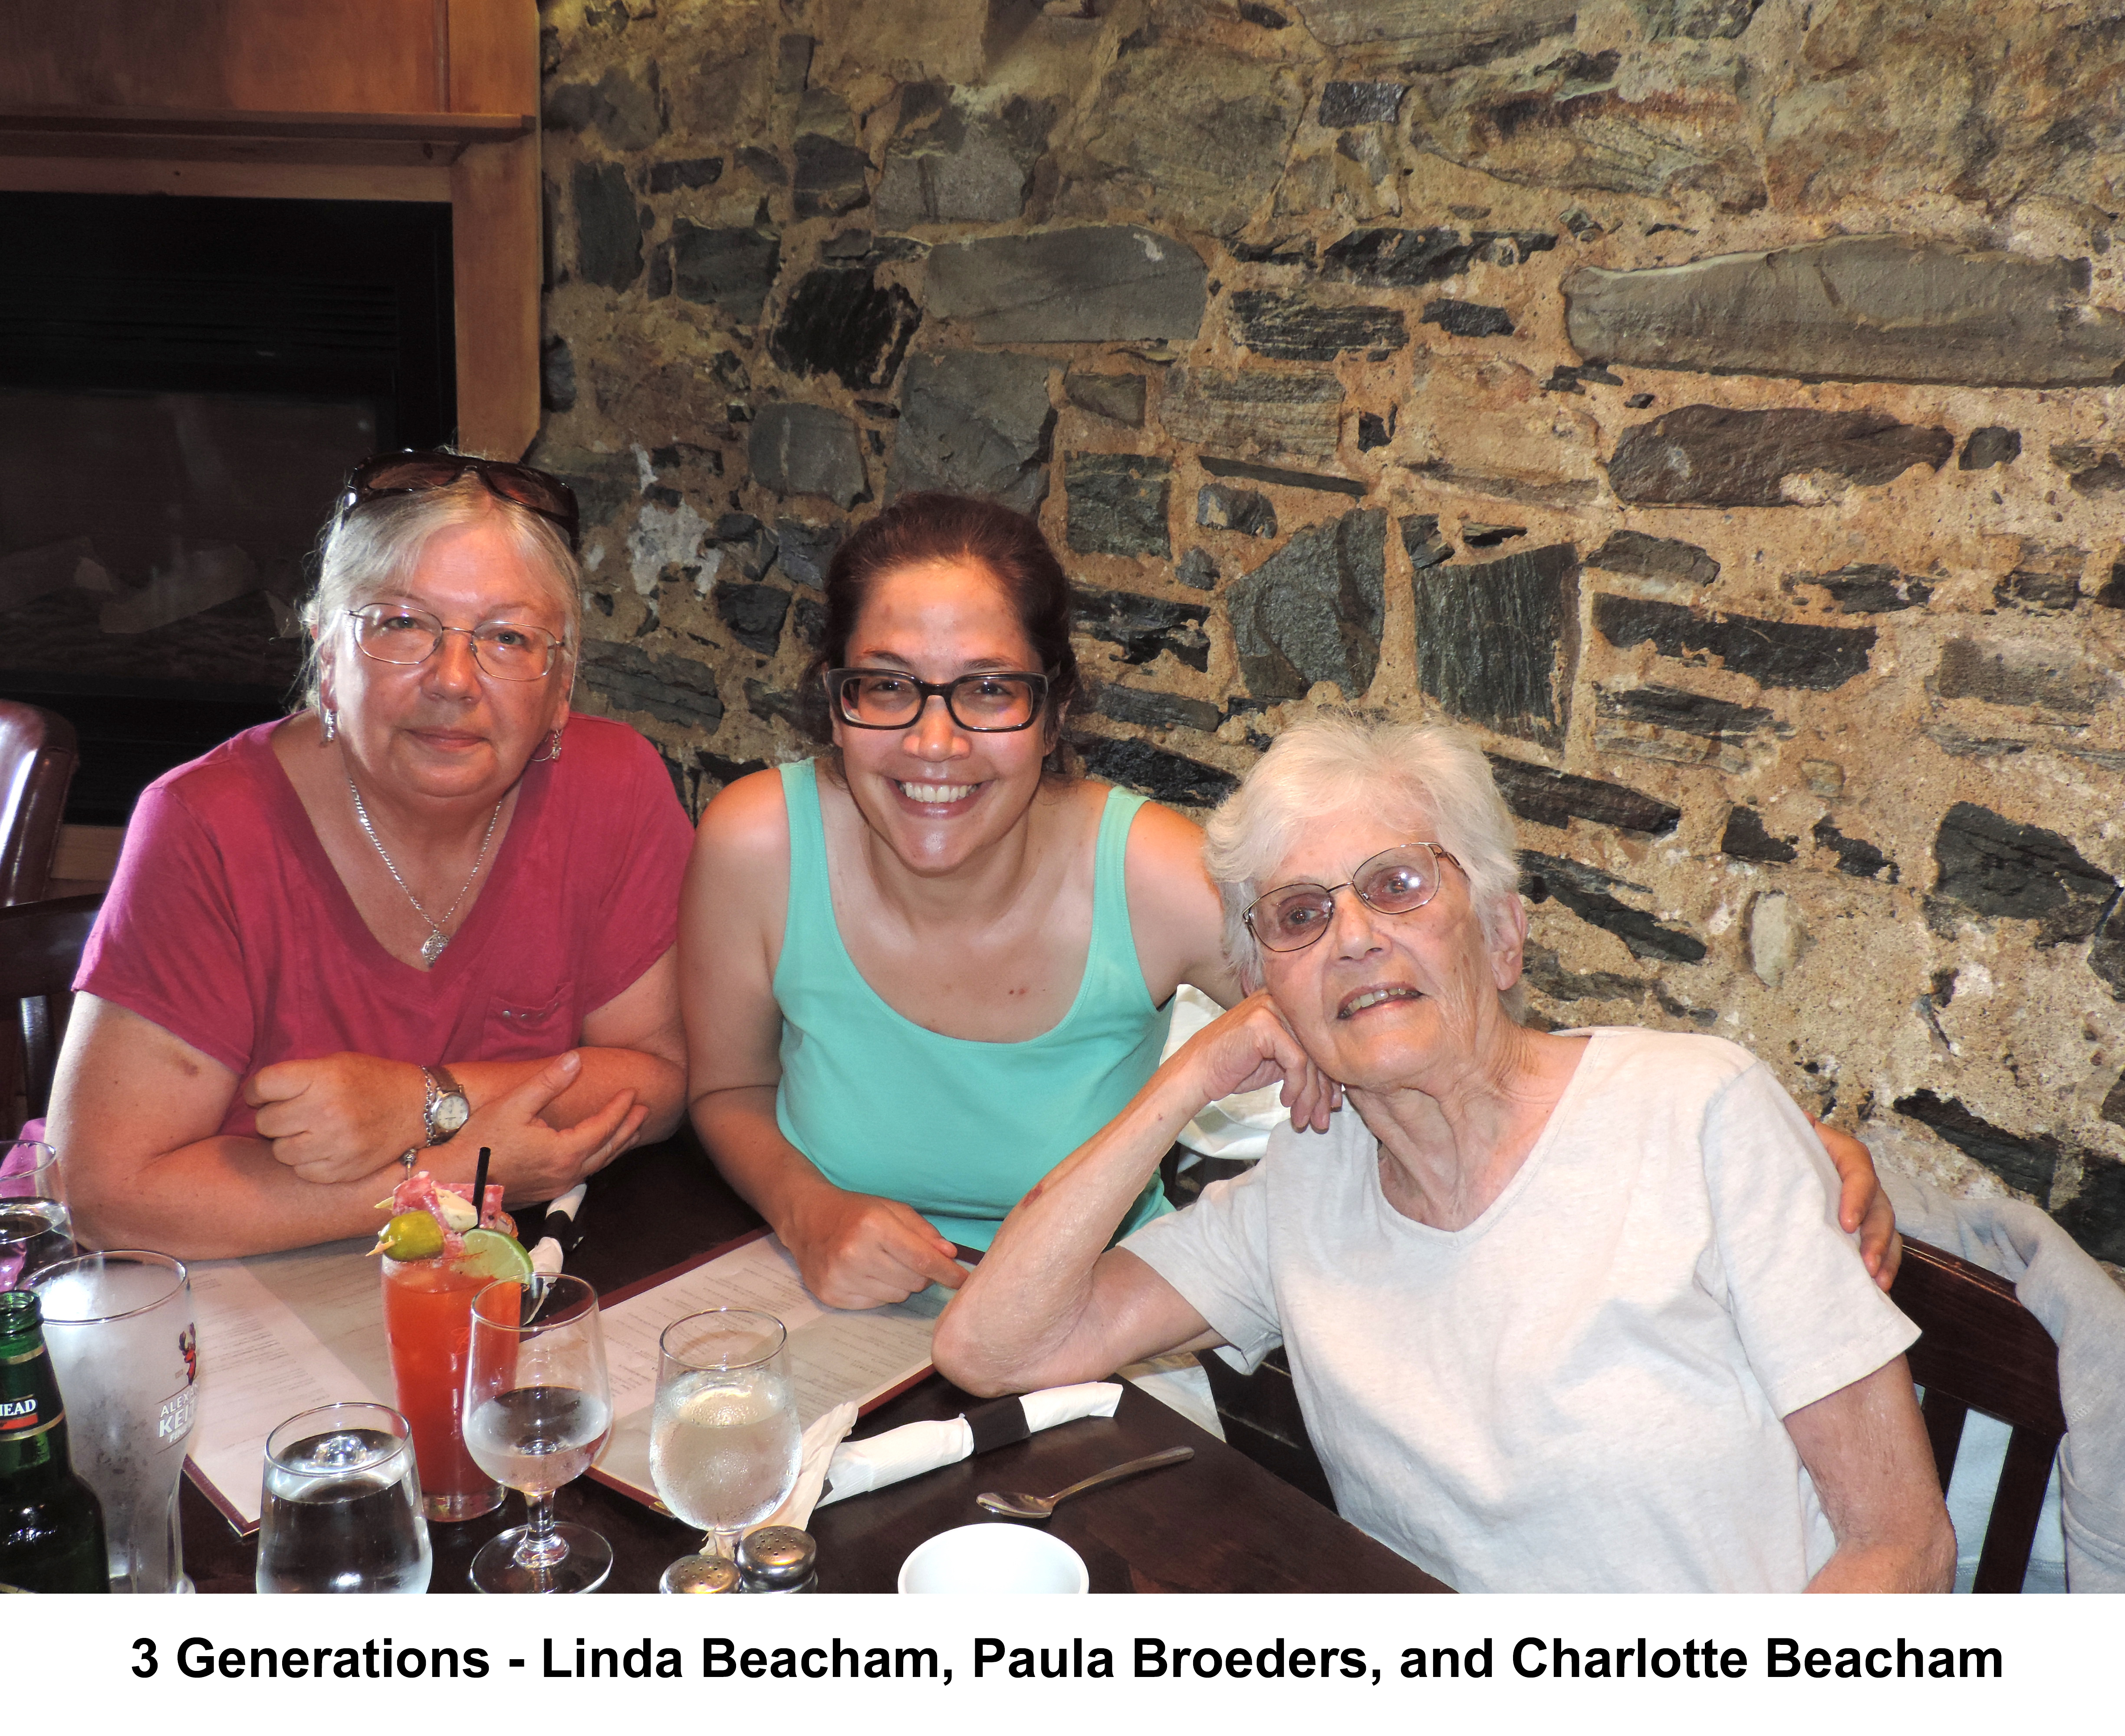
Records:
x=220, y=1199
x=656, y=1083
x=1029, y=1316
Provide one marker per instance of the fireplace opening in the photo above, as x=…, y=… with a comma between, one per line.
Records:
x=184, y=382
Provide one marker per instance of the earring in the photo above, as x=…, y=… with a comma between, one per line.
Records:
x=553, y=749
x=331, y=720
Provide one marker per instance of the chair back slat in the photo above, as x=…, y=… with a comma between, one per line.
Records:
x=1982, y=1350
x=1944, y=1418
x=40, y=948
x=38, y=754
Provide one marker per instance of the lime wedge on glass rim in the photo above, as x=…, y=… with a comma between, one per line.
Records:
x=490, y=1254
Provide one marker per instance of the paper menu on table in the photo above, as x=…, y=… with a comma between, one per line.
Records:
x=837, y=1356
x=260, y=1363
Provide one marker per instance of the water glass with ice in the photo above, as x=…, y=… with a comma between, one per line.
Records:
x=119, y=1327
x=537, y=1408
x=724, y=1443
x=36, y=1230
x=342, y=1505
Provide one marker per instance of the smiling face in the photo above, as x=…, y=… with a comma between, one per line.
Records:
x=934, y=793
x=1381, y=1001
x=445, y=729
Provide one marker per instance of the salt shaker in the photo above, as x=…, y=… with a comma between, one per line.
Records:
x=778, y=1559
x=698, y=1574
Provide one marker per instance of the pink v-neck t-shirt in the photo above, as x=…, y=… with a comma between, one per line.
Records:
x=227, y=925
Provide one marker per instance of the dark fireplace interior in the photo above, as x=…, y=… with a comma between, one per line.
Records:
x=183, y=384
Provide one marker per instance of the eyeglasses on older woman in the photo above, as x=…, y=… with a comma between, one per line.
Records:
x=1394, y=883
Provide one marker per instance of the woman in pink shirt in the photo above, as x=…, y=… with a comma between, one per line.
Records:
x=433, y=911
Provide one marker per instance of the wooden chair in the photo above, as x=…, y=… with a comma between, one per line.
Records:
x=38, y=754
x=1982, y=1350
x=41, y=946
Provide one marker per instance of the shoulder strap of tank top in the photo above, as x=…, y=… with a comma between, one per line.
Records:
x=1112, y=938
x=809, y=887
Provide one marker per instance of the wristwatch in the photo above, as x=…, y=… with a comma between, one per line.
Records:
x=447, y=1110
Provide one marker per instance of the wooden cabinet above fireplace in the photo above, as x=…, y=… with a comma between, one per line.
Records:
x=434, y=101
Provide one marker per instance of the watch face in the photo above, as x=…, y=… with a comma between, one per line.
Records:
x=452, y=1113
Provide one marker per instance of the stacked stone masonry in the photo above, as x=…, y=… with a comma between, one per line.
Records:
x=1710, y=403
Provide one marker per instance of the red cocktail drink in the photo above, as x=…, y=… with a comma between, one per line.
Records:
x=427, y=1320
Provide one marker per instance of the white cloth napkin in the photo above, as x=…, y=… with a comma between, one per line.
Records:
x=820, y=1441
x=860, y=1466
x=1235, y=1126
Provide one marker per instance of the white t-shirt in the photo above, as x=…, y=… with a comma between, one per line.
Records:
x=1581, y=1390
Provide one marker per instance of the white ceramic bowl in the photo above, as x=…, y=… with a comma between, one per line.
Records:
x=1001, y=1556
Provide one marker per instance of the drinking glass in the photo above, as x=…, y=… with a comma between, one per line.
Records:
x=537, y=1408
x=36, y=1230
x=119, y=1327
x=427, y=1328
x=724, y=1446
x=342, y=1506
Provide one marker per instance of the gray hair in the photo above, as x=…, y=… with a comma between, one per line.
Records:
x=370, y=550
x=1333, y=764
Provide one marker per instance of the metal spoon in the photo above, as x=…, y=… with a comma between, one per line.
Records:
x=1041, y=1507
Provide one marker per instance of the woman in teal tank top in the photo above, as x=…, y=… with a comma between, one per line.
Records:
x=920, y=970
x=855, y=1095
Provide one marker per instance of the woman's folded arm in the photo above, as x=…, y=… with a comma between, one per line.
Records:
x=137, y=1113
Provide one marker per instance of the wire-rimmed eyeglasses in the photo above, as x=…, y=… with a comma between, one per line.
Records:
x=509, y=651
x=1394, y=883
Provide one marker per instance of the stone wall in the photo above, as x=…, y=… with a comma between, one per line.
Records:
x=1708, y=402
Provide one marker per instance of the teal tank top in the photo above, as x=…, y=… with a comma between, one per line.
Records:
x=956, y=1129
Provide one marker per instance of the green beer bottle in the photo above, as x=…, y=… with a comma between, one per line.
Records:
x=51, y=1524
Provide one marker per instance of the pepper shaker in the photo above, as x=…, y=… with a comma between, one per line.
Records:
x=778, y=1559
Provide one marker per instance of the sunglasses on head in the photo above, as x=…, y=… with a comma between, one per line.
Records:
x=417, y=473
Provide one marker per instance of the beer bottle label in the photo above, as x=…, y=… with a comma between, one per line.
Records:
x=19, y=1419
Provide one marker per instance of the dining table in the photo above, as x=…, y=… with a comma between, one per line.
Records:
x=1216, y=1523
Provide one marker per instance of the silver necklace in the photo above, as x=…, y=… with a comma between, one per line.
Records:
x=431, y=948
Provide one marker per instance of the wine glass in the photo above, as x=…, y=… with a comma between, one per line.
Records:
x=537, y=1408
x=342, y=1506
x=36, y=1228
x=724, y=1446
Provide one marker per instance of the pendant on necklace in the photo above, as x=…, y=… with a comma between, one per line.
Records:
x=431, y=948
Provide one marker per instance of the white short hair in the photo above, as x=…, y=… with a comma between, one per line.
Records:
x=1336, y=763
x=374, y=548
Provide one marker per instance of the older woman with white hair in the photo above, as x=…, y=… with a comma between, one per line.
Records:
x=431, y=911
x=1566, y=1310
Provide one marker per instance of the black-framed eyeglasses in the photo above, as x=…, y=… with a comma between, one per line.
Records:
x=987, y=703
x=509, y=651
x=416, y=472
x=1396, y=882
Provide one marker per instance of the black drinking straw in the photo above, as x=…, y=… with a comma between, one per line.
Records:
x=479, y=1184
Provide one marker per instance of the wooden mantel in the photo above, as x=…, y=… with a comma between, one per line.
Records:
x=428, y=100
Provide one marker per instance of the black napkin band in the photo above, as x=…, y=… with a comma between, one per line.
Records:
x=997, y=1423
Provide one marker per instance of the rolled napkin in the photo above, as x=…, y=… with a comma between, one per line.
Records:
x=860, y=1466
x=552, y=1249
x=821, y=1441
